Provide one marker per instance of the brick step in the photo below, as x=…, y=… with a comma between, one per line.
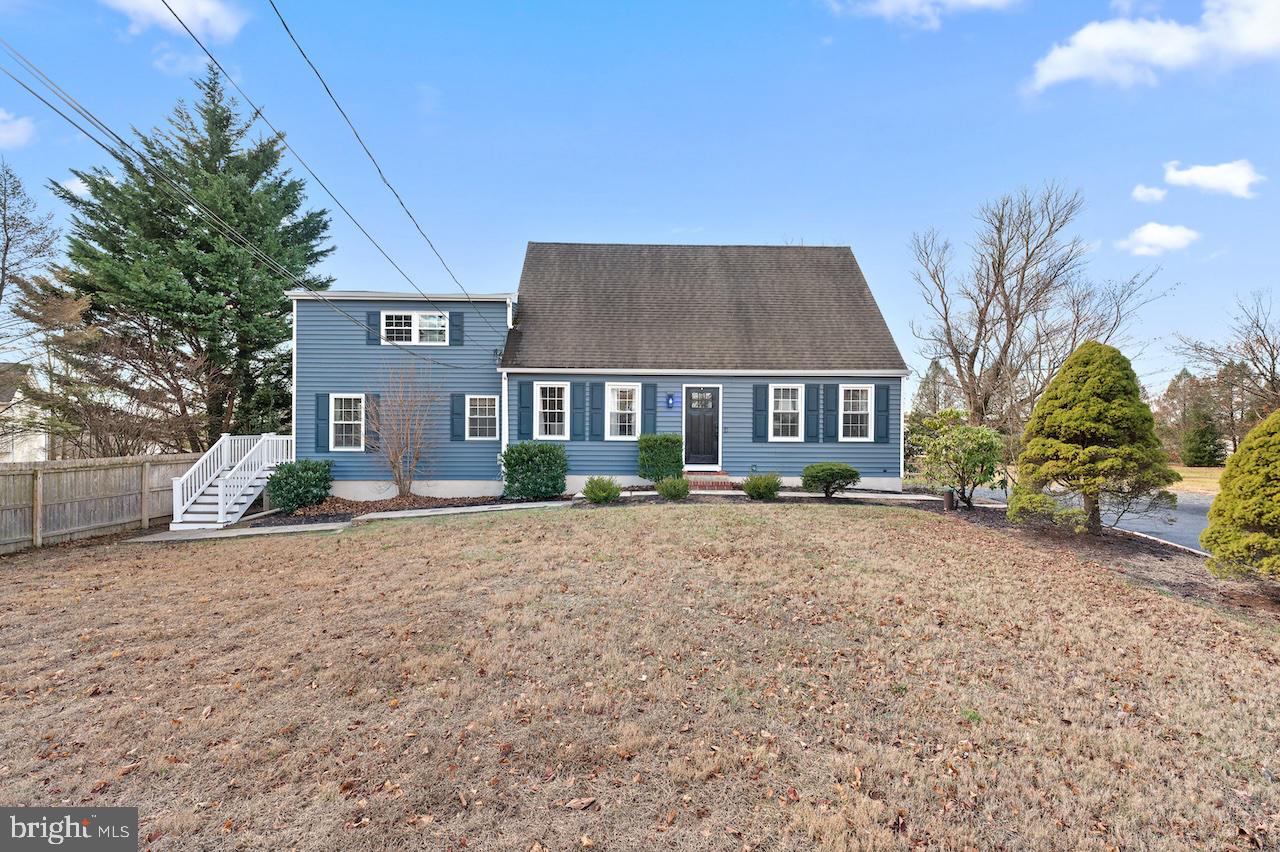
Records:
x=713, y=480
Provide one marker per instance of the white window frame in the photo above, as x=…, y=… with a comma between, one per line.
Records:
x=537, y=411
x=497, y=417
x=799, y=437
x=333, y=421
x=871, y=413
x=609, y=410
x=416, y=328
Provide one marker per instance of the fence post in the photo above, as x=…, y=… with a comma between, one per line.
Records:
x=145, y=490
x=177, y=499
x=37, y=506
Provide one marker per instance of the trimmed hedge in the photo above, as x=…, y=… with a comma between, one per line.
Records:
x=601, y=489
x=300, y=483
x=762, y=486
x=673, y=488
x=828, y=477
x=661, y=456
x=1244, y=521
x=534, y=471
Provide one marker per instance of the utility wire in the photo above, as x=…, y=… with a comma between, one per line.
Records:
x=374, y=159
x=257, y=111
x=183, y=195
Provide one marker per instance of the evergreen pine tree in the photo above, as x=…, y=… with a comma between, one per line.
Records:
x=1202, y=445
x=1244, y=521
x=1092, y=435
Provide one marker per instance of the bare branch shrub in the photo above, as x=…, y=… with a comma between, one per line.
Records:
x=398, y=421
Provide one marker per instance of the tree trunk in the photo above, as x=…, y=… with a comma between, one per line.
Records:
x=1093, y=513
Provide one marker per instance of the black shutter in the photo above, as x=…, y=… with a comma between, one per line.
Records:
x=322, y=423
x=830, y=412
x=525, y=429
x=649, y=408
x=455, y=327
x=577, y=411
x=812, y=413
x=596, y=417
x=759, y=413
x=457, y=417
x=373, y=328
x=370, y=422
x=882, y=414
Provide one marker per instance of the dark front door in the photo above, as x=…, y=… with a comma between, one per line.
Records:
x=702, y=425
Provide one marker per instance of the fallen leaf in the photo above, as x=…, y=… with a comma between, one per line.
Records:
x=580, y=804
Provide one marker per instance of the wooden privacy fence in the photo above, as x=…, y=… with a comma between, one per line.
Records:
x=48, y=502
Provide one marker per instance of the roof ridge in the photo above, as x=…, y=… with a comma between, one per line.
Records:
x=687, y=245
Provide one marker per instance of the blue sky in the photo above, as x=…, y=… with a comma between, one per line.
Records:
x=815, y=121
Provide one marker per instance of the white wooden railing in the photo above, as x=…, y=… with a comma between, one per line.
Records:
x=270, y=450
x=229, y=454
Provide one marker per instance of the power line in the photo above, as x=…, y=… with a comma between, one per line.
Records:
x=374, y=159
x=183, y=195
x=257, y=111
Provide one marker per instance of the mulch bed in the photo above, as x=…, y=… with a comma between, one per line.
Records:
x=341, y=509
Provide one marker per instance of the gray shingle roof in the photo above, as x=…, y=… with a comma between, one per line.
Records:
x=602, y=306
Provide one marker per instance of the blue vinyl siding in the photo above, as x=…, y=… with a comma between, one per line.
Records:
x=739, y=454
x=334, y=357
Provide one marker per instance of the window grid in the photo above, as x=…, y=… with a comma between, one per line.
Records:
x=552, y=421
x=785, y=418
x=482, y=417
x=398, y=328
x=347, y=422
x=432, y=328
x=855, y=413
x=424, y=328
x=621, y=402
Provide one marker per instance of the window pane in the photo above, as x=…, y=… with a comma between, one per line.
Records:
x=786, y=412
x=431, y=328
x=482, y=417
x=622, y=412
x=551, y=417
x=398, y=328
x=855, y=413
x=347, y=409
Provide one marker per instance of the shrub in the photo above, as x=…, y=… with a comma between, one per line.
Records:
x=673, y=488
x=828, y=477
x=1092, y=435
x=660, y=456
x=960, y=456
x=601, y=489
x=762, y=486
x=300, y=483
x=1244, y=521
x=534, y=471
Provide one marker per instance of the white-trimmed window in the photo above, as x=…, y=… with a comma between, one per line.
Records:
x=786, y=412
x=855, y=412
x=482, y=418
x=622, y=411
x=346, y=422
x=420, y=328
x=551, y=411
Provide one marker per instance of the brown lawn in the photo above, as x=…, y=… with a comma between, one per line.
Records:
x=650, y=677
x=1198, y=480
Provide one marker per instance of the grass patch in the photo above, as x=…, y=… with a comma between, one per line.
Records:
x=1197, y=480
x=666, y=676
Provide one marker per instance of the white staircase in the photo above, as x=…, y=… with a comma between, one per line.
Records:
x=221, y=486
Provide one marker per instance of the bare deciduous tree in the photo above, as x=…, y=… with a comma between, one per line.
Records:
x=28, y=240
x=399, y=425
x=1252, y=352
x=1006, y=325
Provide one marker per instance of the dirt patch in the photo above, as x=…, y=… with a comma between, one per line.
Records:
x=676, y=677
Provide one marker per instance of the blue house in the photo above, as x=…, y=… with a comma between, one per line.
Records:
x=763, y=358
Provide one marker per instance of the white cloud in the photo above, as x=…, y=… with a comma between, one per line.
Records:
x=1235, y=178
x=15, y=131
x=922, y=13
x=1149, y=194
x=1132, y=51
x=216, y=19
x=1154, y=239
x=75, y=186
x=175, y=62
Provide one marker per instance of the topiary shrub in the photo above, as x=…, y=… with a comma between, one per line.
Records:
x=660, y=456
x=534, y=471
x=300, y=483
x=673, y=488
x=1244, y=521
x=828, y=477
x=601, y=489
x=762, y=486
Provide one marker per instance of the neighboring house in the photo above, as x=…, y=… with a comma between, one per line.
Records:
x=18, y=444
x=765, y=358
